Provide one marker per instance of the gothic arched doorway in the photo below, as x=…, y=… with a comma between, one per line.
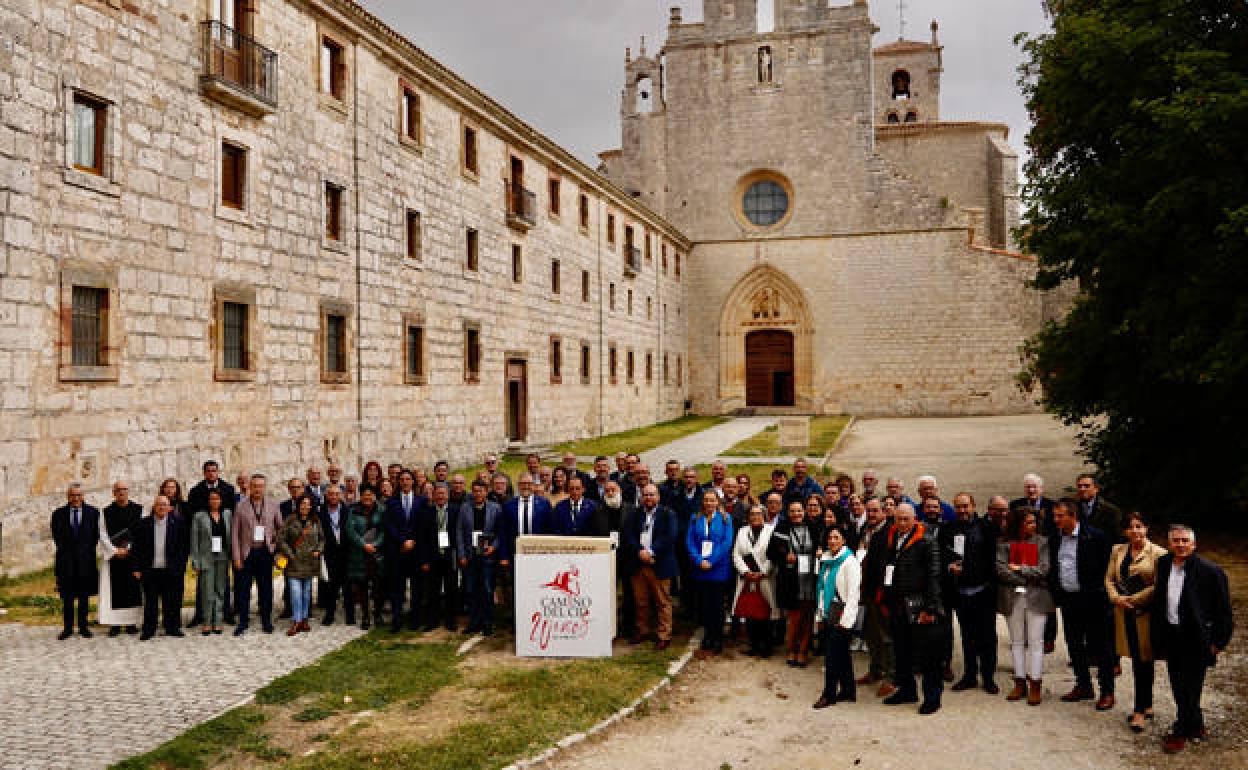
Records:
x=769, y=368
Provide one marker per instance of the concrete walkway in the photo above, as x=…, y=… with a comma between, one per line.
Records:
x=706, y=446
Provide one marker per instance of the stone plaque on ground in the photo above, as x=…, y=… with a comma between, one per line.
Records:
x=794, y=432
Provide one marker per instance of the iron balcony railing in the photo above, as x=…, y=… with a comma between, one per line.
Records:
x=521, y=205
x=238, y=61
x=632, y=259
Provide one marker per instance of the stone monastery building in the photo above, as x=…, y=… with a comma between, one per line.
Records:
x=275, y=232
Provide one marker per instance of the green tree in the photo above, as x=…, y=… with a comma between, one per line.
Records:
x=1137, y=194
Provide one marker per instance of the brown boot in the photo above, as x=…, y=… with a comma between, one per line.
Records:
x=1033, y=692
x=1020, y=689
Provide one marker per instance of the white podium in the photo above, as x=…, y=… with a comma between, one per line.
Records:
x=565, y=596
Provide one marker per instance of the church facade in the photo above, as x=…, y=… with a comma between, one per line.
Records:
x=276, y=234
x=852, y=251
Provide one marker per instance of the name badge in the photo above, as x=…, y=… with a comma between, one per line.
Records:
x=257, y=534
x=1020, y=589
x=888, y=575
x=444, y=539
x=803, y=563
x=646, y=539
x=216, y=544
x=615, y=539
x=959, y=545
x=707, y=548
x=478, y=539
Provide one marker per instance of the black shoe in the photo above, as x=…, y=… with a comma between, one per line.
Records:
x=900, y=698
x=64, y=635
x=175, y=632
x=329, y=620
x=85, y=633
x=929, y=707
x=427, y=628
x=216, y=631
x=488, y=631
x=205, y=632
x=143, y=637
x=450, y=627
x=114, y=631
x=230, y=620
x=135, y=629
x=267, y=629
x=350, y=620
x=286, y=614
x=967, y=683
x=365, y=625
x=195, y=621
x=396, y=628
x=240, y=630
x=991, y=688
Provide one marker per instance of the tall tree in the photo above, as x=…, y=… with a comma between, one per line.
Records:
x=1137, y=195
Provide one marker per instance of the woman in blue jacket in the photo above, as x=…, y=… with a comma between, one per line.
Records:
x=709, y=541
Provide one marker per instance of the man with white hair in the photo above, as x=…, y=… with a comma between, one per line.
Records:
x=897, y=490
x=870, y=484
x=1033, y=499
x=928, y=488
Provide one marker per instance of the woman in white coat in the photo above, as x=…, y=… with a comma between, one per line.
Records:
x=754, y=573
x=836, y=610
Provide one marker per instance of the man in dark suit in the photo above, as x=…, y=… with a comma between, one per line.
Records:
x=1033, y=499
x=1097, y=511
x=1079, y=557
x=157, y=556
x=76, y=533
x=197, y=498
x=575, y=516
x=1191, y=625
x=407, y=551
x=912, y=588
x=652, y=539
x=525, y=514
x=440, y=595
x=597, y=487
x=685, y=504
x=970, y=547
x=619, y=515
x=333, y=515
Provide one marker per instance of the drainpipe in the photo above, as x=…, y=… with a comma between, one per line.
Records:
x=359, y=268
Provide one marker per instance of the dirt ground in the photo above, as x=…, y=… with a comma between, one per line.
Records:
x=739, y=713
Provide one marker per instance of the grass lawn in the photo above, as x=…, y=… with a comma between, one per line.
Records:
x=407, y=701
x=641, y=439
x=32, y=598
x=823, y=434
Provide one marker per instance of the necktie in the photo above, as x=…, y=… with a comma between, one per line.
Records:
x=576, y=509
x=75, y=520
x=527, y=524
x=407, y=506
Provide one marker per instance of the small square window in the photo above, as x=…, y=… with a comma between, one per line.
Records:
x=470, y=150
x=414, y=354
x=233, y=175
x=333, y=69
x=517, y=263
x=472, y=248
x=583, y=204
x=89, y=328
x=554, y=276
x=584, y=286
x=90, y=129
x=556, y=360
x=554, y=197
x=414, y=234
x=585, y=355
x=333, y=212
x=409, y=115
x=472, y=353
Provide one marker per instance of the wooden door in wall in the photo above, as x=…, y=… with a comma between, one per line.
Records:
x=517, y=397
x=769, y=368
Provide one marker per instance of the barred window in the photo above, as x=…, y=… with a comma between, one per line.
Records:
x=90, y=335
x=234, y=335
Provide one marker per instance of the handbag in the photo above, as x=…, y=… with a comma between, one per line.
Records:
x=751, y=604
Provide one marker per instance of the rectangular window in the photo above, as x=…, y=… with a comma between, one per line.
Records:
x=89, y=328
x=554, y=197
x=584, y=363
x=584, y=286
x=556, y=360
x=663, y=257
x=472, y=248
x=628, y=237
x=554, y=276
x=409, y=115
x=612, y=363
x=414, y=370
x=414, y=234
x=583, y=203
x=234, y=336
x=333, y=211
x=610, y=229
x=517, y=263
x=612, y=300
x=649, y=309
x=90, y=126
x=629, y=368
x=667, y=372
x=472, y=353
x=678, y=370
x=335, y=344
x=333, y=69
x=470, y=150
x=678, y=265
x=630, y=301
x=649, y=248
x=649, y=368
x=233, y=175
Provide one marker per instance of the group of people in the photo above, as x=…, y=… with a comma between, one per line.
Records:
x=819, y=568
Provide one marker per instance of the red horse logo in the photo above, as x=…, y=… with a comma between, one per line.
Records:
x=568, y=581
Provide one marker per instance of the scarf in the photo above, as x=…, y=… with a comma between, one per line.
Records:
x=828, y=569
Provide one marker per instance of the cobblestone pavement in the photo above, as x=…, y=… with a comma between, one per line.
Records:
x=85, y=703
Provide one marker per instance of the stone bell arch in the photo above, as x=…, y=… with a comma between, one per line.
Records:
x=766, y=307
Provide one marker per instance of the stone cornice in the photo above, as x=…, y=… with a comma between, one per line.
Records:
x=899, y=130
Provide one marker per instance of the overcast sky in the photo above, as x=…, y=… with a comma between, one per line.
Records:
x=559, y=64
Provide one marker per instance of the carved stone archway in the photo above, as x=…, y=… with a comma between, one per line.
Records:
x=765, y=298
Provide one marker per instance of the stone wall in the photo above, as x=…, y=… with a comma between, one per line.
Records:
x=152, y=230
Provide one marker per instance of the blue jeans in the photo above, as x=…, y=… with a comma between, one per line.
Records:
x=300, y=598
x=479, y=585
